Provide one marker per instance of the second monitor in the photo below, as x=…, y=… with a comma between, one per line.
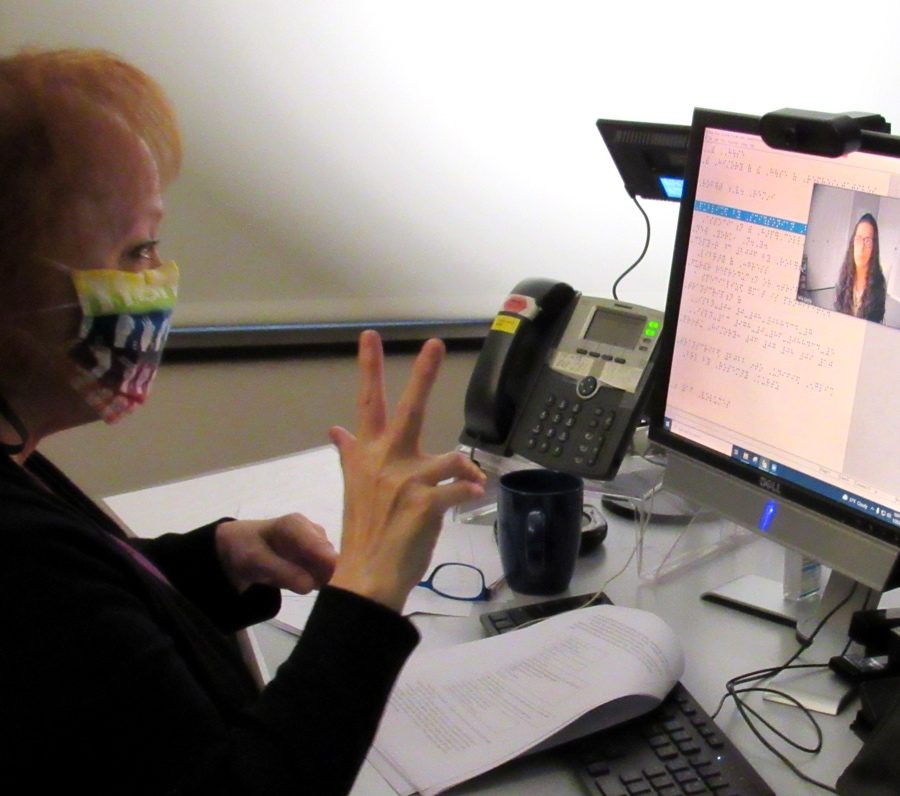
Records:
x=781, y=358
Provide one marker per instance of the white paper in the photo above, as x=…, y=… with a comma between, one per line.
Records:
x=309, y=482
x=469, y=708
x=370, y=783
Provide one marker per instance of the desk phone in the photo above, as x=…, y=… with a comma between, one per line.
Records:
x=562, y=378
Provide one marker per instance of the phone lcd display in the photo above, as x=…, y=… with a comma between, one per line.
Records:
x=615, y=328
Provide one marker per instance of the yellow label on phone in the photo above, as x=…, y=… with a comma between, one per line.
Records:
x=505, y=323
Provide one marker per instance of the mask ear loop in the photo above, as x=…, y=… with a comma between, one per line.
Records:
x=18, y=426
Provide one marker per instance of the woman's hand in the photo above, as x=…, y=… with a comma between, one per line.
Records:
x=289, y=552
x=394, y=495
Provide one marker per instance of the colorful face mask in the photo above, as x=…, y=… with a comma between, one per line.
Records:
x=125, y=322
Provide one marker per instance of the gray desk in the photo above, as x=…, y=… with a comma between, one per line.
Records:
x=718, y=643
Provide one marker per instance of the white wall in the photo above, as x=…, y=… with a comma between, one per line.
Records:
x=385, y=159
x=205, y=416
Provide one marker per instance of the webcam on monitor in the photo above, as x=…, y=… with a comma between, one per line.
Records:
x=815, y=133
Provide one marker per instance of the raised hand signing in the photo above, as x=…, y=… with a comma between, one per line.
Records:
x=395, y=496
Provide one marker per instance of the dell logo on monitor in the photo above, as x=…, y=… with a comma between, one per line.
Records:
x=770, y=485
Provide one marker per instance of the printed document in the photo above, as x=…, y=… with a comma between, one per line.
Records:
x=458, y=712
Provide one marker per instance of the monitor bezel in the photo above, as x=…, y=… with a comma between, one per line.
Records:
x=764, y=481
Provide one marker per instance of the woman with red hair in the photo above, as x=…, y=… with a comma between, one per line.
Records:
x=119, y=670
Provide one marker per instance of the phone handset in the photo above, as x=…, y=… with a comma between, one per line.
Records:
x=511, y=353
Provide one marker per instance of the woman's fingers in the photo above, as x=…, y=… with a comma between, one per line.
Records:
x=446, y=496
x=287, y=575
x=371, y=405
x=303, y=545
x=406, y=425
x=289, y=552
x=449, y=466
x=340, y=438
x=394, y=496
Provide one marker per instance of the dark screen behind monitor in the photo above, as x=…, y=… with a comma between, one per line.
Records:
x=778, y=409
x=649, y=156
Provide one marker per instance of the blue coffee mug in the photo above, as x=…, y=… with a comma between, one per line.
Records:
x=539, y=529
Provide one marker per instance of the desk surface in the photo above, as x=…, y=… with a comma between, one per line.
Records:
x=718, y=642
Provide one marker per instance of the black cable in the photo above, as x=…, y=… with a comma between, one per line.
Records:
x=750, y=715
x=772, y=671
x=743, y=709
x=796, y=703
x=640, y=257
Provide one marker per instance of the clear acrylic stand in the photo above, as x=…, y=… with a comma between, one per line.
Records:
x=660, y=555
x=633, y=486
x=706, y=535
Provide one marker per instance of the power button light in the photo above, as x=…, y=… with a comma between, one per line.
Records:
x=768, y=514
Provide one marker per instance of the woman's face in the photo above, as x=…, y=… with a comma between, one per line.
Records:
x=863, y=244
x=112, y=222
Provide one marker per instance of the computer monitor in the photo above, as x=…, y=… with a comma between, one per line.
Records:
x=779, y=395
x=649, y=156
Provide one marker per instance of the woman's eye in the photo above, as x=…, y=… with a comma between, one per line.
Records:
x=144, y=251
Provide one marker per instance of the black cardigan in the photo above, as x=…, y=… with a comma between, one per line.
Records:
x=120, y=682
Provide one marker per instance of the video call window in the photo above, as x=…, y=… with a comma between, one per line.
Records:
x=850, y=254
x=773, y=352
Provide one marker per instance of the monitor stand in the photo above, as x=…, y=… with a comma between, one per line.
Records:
x=819, y=690
x=764, y=597
x=757, y=595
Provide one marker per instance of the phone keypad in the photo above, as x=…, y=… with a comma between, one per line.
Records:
x=562, y=421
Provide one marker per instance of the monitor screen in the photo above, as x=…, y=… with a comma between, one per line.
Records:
x=781, y=367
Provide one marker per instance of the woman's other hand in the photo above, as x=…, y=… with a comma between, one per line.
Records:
x=394, y=495
x=289, y=552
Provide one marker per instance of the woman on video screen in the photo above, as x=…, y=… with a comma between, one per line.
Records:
x=860, y=289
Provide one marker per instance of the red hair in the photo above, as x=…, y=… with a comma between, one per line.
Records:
x=52, y=106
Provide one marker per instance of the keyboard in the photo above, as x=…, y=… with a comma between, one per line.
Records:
x=674, y=749
x=506, y=619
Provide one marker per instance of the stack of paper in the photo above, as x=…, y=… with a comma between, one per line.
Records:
x=458, y=712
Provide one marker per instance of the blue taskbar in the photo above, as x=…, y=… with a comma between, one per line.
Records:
x=827, y=490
